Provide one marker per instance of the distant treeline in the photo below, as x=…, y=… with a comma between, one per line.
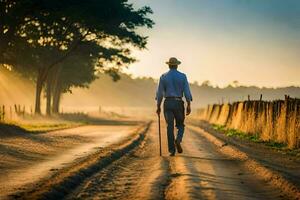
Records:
x=133, y=92
x=140, y=92
x=277, y=121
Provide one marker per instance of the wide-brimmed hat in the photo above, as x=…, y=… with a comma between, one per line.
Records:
x=173, y=61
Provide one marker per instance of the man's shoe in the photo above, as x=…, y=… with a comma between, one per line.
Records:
x=178, y=147
x=172, y=154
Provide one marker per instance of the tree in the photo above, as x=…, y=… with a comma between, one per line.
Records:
x=79, y=70
x=59, y=27
x=206, y=83
x=12, y=15
x=236, y=83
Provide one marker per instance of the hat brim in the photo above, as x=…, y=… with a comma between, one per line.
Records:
x=173, y=63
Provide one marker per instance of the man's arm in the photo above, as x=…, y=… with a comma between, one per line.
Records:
x=188, y=108
x=159, y=95
x=188, y=96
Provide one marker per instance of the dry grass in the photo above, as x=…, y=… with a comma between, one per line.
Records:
x=277, y=121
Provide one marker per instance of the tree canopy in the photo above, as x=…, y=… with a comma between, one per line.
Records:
x=63, y=37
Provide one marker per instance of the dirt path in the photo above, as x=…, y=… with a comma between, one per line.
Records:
x=141, y=174
x=278, y=160
x=50, y=152
x=201, y=172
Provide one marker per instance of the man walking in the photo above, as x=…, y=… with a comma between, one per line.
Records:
x=172, y=86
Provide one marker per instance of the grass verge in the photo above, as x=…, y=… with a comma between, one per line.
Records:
x=254, y=138
x=45, y=127
x=236, y=133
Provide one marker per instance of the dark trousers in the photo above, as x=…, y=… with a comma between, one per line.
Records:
x=174, y=111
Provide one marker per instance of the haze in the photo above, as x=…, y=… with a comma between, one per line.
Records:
x=255, y=42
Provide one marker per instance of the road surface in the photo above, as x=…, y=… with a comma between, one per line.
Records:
x=31, y=158
x=201, y=172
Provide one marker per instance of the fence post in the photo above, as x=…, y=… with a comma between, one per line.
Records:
x=260, y=97
x=10, y=112
x=3, y=112
x=23, y=112
x=16, y=108
x=286, y=97
x=248, y=97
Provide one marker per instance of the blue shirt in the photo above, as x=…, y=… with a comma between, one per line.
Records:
x=173, y=84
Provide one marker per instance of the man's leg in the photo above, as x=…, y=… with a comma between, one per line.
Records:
x=179, y=117
x=180, y=133
x=169, y=117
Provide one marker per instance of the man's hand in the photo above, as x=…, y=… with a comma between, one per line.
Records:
x=158, y=110
x=188, y=109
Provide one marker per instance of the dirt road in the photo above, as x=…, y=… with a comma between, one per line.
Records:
x=201, y=172
x=28, y=158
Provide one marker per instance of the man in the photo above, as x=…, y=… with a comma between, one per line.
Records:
x=172, y=86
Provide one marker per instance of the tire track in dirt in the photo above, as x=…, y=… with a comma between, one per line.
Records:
x=263, y=173
x=64, y=181
x=140, y=174
x=202, y=172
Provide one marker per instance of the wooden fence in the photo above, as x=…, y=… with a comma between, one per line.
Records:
x=277, y=121
x=8, y=113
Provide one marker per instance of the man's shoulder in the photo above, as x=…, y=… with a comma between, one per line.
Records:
x=169, y=73
x=181, y=74
x=164, y=74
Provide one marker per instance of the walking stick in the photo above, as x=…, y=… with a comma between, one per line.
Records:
x=159, y=134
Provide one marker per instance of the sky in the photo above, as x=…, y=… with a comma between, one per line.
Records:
x=256, y=42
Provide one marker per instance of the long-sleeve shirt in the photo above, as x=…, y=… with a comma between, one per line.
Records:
x=173, y=84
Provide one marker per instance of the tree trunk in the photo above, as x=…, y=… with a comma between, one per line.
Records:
x=48, y=95
x=56, y=89
x=42, y=75
x=38, y=91
x=56, y=99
